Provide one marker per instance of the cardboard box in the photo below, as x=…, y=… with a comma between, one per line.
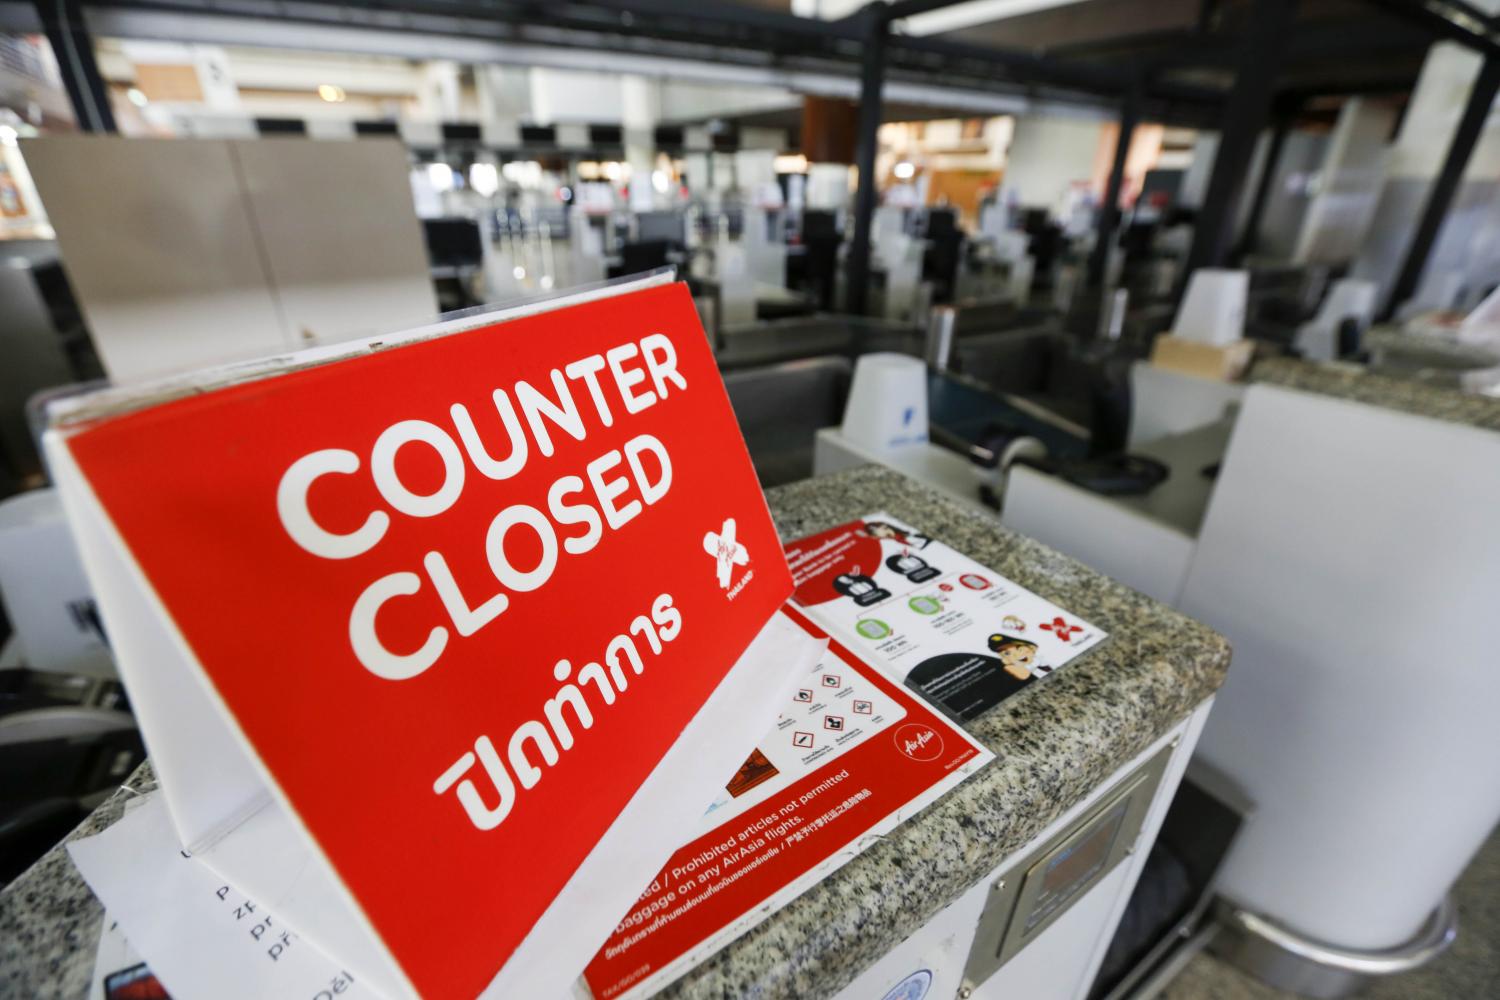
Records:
x=1226, y=363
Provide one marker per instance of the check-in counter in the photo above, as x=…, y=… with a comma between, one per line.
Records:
x=1146, y=540
x=1329, y=475
x=1423, y=399
x=975, y=892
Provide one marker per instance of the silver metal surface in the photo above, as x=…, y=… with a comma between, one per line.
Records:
x=1003, y=929
x=1287, y=960
x=1203, y=801
x=1167, y=959
x=940, y=329
x=1112, y=316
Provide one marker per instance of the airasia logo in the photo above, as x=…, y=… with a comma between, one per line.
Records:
x=919, y=742
x=727, y=552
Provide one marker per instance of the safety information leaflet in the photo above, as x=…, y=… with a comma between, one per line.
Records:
x=916, y=630
x=963, y=636
x=851, y=756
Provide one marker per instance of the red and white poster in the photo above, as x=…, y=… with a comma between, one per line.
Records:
x=959, y=633
x=851, y=755
x=451, y=601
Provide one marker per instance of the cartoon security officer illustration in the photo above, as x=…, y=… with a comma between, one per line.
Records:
x=1018, y=657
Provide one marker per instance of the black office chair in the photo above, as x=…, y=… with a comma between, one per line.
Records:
x=821, y=237
x=1046, y=238
x=54, y=764
x=1109, y=469
x=642, y=256
x=944, y=250
x=1351, y=336
x=453, y=242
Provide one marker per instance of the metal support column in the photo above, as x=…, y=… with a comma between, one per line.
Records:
x=1245, y=115
x=1109, y=209
x=73, y=47
x=1445, y=185
x=872, y=74
x=1262, y=193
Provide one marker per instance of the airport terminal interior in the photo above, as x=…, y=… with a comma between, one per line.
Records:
x=1112, y=387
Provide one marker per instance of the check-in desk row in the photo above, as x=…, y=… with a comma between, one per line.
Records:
x=1339, y=528
x=1010, y=886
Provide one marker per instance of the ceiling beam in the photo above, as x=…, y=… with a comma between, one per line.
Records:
x=1030, y=68
x=759, y=18
x=911, y=8
x=1185, y=39
x=1358, y=87
x=693, y=29
x=1452, y=19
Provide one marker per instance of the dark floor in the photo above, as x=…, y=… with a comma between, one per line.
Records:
x=1470, y=970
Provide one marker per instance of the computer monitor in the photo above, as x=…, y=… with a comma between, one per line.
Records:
x=641, y=257
x=453, y=242
x=652, y=227
x=819, y=225
x=941, y=222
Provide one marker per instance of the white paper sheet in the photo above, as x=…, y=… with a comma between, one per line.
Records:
x=170, y=903
x=201, y=937
x=116, y=961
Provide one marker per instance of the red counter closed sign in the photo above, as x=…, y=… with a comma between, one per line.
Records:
x=459, y=597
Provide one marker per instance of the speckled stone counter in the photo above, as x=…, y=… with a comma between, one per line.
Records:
x=1407, y=395
x=49, y=920
x=1054, y=743
x=1440, y=355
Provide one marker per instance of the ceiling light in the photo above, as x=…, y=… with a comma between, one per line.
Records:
x=440, y=175
x=332, y=93
x=484, y=178
x=966, y=15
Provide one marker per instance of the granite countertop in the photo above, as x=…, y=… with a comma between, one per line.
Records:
x=1406, y=395
x=1054, y=743
x=1442, y=347
x=50, y=920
